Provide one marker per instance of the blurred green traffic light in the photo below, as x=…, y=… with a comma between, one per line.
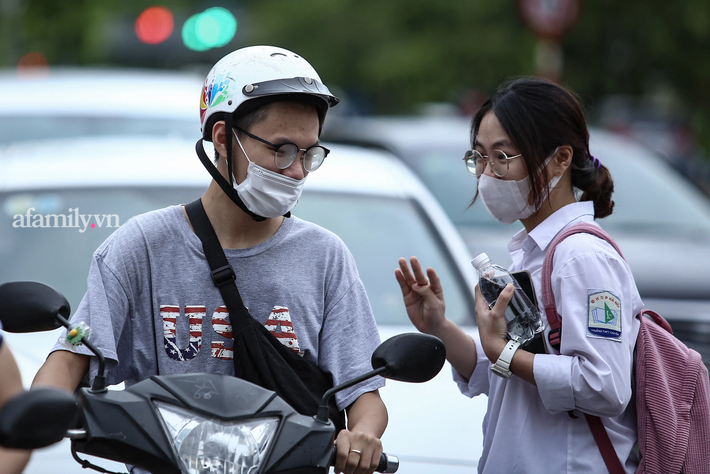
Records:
x=213, y=28
x=189, y=34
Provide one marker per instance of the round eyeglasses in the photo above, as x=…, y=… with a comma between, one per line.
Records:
x=286, y=153
x=499, y=161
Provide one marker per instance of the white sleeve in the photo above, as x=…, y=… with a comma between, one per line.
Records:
x=480, y=381
x=593, y=371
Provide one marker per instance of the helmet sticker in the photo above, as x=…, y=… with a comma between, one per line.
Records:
x=215, y=92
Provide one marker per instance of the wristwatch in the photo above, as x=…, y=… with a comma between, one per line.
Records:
x=502, y=365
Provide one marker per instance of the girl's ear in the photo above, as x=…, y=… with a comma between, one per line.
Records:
x=563, y=158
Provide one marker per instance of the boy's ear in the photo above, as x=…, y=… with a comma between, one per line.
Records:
x=219, y=138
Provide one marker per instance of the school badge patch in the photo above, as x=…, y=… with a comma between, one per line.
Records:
x=604, y=319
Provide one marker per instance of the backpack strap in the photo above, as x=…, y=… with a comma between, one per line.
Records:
x=601, y=437
x=548, y=297
x=656, y=318
x=613, y=464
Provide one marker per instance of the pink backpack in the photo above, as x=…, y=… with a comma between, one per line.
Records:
x=671, y=389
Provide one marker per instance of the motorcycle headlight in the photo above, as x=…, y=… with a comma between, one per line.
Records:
x=217, y=447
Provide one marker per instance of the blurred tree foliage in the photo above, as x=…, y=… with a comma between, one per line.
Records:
x=391, y=55
x=400, y=53
x=67, y=32
x=397, y=53
x=643, y=47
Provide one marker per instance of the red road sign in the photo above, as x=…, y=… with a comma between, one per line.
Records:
x=549, y=18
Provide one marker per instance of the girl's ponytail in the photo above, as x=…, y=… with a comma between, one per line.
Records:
x=595, y=182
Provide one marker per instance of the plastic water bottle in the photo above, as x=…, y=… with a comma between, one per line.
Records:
x=521, y=315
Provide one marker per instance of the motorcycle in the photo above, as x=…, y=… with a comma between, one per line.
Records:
x=193, y=423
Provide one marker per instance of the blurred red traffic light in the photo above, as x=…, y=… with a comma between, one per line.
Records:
x=154, y=25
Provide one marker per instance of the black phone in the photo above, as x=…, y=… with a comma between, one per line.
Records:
x=525, y=281
x=537, y=344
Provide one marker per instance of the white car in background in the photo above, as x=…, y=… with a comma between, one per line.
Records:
x=369, y=198
x=660, y=219
x=74, y=102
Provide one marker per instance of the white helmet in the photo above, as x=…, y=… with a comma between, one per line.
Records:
x=250, y=77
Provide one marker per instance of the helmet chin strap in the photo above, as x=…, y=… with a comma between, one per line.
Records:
x=228, y=142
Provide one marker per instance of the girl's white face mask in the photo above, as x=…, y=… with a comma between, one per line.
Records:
x=265, y=192
x=507, y=200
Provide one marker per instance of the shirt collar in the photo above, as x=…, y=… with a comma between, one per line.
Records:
x=516, y=243
x=543, y=234
x=550, y=227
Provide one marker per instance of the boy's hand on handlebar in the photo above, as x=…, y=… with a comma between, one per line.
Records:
x=357, y=452
x=423, y=295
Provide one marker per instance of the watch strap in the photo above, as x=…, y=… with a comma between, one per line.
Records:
x=502, y=365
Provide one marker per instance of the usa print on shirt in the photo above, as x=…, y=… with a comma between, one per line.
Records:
x=170, y=315
x=222, y=326
x=279, y=324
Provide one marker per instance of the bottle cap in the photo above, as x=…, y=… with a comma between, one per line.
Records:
x=480, y=261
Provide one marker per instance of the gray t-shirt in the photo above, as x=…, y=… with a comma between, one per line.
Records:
x=152, y=307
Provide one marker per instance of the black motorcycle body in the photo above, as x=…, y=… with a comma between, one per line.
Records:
x=194, y=423
x=126, y=426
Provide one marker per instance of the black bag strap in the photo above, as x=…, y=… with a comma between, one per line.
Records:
x=222, y=273
x=312, y=377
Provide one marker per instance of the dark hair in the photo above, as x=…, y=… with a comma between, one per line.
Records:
x=539, y=116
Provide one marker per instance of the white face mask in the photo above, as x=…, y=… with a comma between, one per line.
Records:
x=265, y=192
x=507, y=200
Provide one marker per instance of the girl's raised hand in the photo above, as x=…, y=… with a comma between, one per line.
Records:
x=423, y=295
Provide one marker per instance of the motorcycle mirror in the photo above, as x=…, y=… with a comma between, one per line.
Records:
x=410, y=357
x=30, y=306
x=37, y=418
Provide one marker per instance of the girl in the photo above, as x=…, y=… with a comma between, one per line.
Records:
x=530, y=154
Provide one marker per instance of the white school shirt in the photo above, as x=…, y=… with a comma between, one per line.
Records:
x=528, y=429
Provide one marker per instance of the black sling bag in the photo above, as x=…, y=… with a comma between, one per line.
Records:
x=259, y=357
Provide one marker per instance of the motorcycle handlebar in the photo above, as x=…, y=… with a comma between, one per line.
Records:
x=388, y=462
